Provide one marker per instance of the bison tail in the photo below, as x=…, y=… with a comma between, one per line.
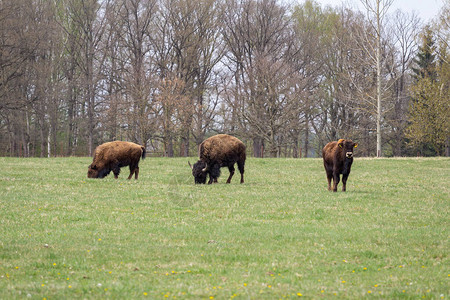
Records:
x=143, y=152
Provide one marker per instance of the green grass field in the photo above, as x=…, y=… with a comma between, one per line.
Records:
x=279, y=235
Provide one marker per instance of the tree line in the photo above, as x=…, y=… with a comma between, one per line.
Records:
x=285, y=78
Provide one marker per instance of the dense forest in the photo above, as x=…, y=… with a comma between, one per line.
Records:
x=286, y=78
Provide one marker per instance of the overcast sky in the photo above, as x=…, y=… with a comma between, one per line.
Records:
x=425, y=9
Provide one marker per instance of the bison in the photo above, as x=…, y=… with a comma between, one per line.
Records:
x=112, y=156
x=218, y=151
x=337, y=160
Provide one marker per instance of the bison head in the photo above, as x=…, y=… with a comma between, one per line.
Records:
x=95, y=172
x=92, y=171
x=199, y=171
x=347, y=146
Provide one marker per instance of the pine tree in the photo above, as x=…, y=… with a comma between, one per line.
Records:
x=426, y=58
x=430, y=109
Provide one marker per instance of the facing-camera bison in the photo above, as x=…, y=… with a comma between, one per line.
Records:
x=218, y=151
x=112, y=156
x=337, y=160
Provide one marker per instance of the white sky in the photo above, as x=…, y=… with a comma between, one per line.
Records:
x=425, y=9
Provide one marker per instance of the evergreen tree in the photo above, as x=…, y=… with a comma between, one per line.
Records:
x=426, y=58
x=430, y=109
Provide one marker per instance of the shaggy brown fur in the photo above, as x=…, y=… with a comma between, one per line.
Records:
x=218, y=151
x=112, y=156
x=338, y=159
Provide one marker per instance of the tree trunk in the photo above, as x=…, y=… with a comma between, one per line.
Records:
x=169, y=150
x=447, y=147
x=200, y=134
x=70, y=111
x=184, y=147
x=295, y=147
x=258, y=147
x=42, y=135
x=378, y=93
x=49, y=142
x=306, y=136
x=378, y=60
x=90, y=99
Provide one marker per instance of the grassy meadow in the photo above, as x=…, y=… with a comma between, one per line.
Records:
x=279, y=235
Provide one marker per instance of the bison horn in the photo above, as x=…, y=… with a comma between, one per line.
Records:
x=190, y=165
x=205, y=168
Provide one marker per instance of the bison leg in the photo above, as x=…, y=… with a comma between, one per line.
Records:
x=241, y=169
x=212, y=179
x=214, y=173
x=344, y=182
x=329, y=177
x=336, y=179
x=136, y=173
x=116, y=171
x=131, y=174
x=231, y=169
x=133, y=170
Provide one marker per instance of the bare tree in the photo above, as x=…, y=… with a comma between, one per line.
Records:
x=74, y=73
x=179, y=33
x=404, y=31
x=259, y=37
x=210, y=50
x=376, y=14
x=309, y=61
x=190, y=48
x=30, y=75
x=86, y=28
x=333, y=110
x=135, y=38
x=175, y=111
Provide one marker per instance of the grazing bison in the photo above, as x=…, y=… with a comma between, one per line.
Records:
x=338, y=159
x=114, y=155
x=218, y=151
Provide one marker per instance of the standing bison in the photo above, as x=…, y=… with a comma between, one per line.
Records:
x=218, y=151
x=338, y=159
x=114, y=155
